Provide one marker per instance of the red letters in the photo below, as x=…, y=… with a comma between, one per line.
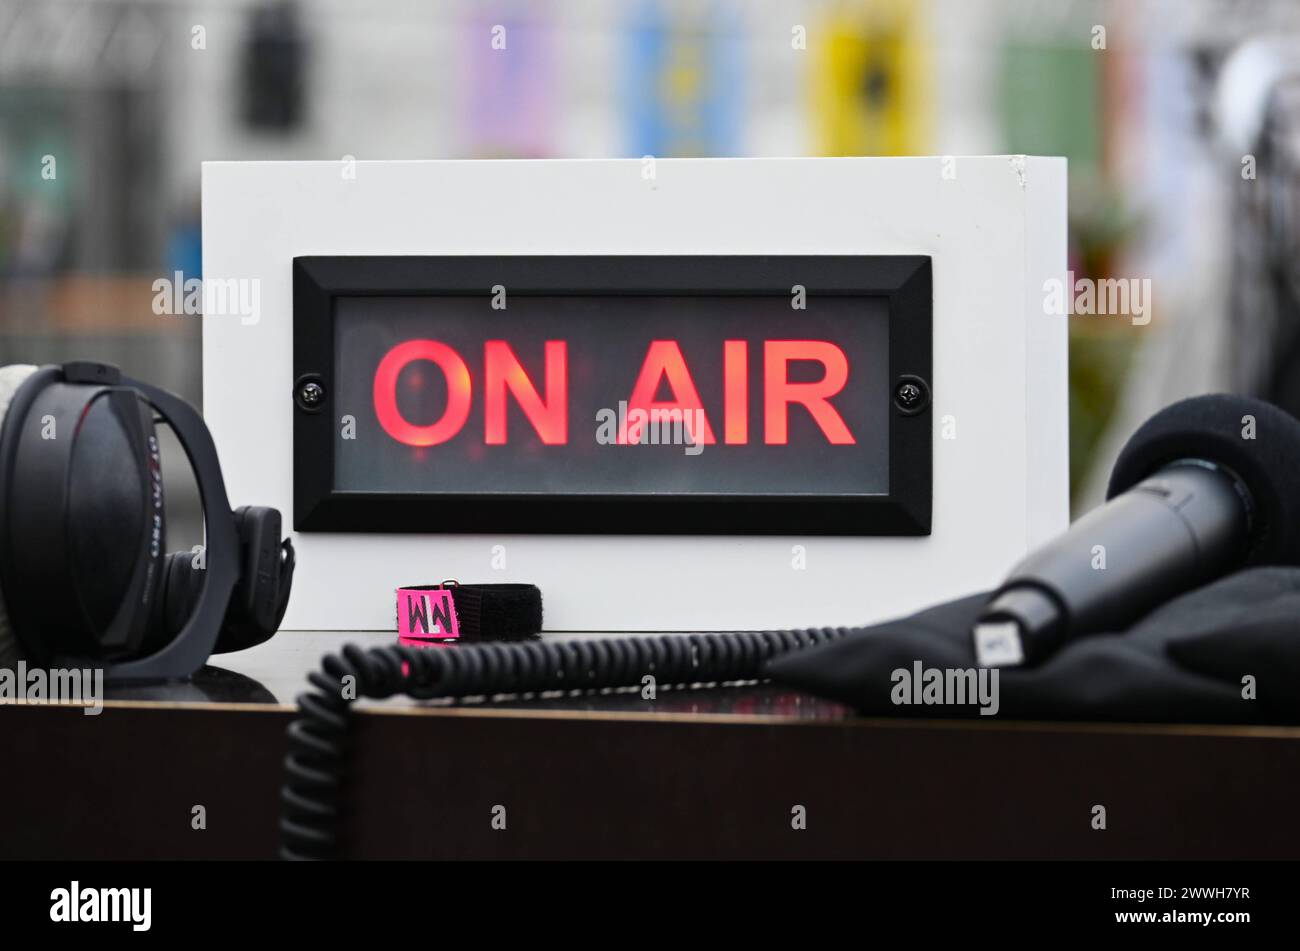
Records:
x=779, y=391
x=735, y=392
x=502, y=369
x=458, y=392
x=505, y=377
x=664, y=359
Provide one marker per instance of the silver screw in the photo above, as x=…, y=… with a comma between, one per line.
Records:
x=311, y=394
x=909, y=394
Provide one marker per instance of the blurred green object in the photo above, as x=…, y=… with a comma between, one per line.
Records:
x=1102, y=349
x=1051, y=101
x=1099, y=364
x=1053, y=104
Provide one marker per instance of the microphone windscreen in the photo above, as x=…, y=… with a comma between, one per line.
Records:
x=1257, y=441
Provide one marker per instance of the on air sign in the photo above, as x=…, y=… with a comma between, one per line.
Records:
x=594, y=394
x=504, y=381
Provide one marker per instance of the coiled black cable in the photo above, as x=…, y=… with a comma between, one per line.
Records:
x=313, y=793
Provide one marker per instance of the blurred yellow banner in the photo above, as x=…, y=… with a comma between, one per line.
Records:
x=870, y=86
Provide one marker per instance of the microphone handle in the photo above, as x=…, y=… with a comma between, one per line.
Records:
x=1183, y=526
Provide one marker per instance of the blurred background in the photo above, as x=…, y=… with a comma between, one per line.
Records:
x=1180, y=119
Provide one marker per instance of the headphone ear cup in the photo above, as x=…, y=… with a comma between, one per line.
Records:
x=11, y=377
x=11, y=651
x=82, y=515
x=259, y=599
x=261, y=595
x=182, y=584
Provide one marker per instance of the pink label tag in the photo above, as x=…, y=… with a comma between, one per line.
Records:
x=425, y=614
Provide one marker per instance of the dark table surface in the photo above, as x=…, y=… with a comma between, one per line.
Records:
x=695, y=773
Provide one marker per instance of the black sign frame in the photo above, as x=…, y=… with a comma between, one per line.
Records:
x=905, y=280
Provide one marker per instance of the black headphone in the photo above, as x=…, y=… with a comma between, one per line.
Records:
x=83, y=577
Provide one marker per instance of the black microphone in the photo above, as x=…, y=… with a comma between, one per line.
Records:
x=1204, y=487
